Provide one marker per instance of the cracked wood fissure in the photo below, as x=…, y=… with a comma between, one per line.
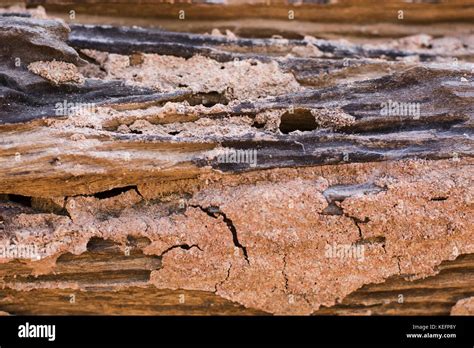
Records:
x=213, y=211
x=130, y=192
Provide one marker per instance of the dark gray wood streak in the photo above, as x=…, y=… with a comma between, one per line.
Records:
x=127, y=40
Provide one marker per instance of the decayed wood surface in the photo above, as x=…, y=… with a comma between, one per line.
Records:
x=104, y=271
x=439, y=132
x=337, y=11
x=131, y=202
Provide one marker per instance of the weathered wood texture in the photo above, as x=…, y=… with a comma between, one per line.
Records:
x=111, y=283
x=135, y=210
x=328, y=11
x=430, y=296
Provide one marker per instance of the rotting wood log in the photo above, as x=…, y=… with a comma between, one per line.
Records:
x=178, y=173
